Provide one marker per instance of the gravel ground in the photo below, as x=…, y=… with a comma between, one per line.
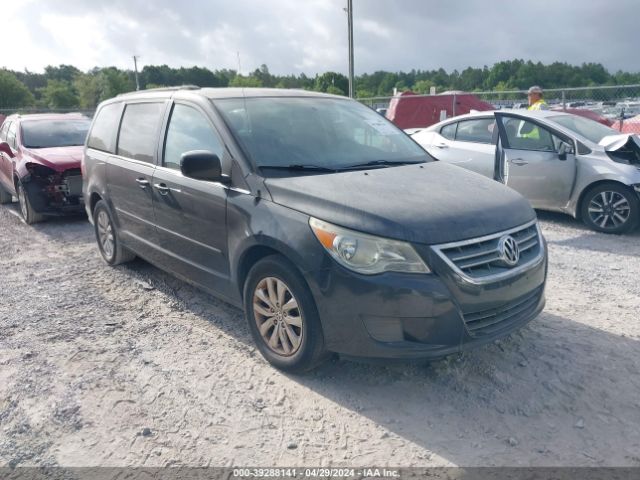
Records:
x=128, y=366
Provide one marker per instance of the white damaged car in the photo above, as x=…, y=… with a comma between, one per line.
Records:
x=558, y=161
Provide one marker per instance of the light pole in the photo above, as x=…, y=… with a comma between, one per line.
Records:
x=350, y=24
x=135, y=69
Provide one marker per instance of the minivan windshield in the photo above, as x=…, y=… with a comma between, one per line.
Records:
x=316, y=134
x=589, y=129
x=54, y=133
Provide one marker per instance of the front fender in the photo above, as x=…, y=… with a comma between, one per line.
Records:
x=632, y=181
x=254, y=222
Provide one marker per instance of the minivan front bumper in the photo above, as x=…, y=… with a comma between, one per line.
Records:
x=394, y=315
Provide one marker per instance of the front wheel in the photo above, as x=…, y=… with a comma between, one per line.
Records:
x=282, y=315
x=611, y=208
x=29, y=215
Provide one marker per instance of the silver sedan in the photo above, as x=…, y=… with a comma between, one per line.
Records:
x=560, y=162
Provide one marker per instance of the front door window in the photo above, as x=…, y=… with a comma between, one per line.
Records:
x=526, y=135
x=188, y=130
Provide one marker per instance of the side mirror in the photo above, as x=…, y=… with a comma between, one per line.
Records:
x=5, y=148
x=202, y=165
x=564, y=149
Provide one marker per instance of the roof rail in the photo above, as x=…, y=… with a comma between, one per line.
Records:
x=163, y=89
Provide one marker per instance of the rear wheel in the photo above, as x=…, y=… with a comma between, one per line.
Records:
x=611, y=208
x=282, y=315
x=5, y=197
x=109, y=244
x=29, y=215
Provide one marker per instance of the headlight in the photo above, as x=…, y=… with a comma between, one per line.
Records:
x=367, y=254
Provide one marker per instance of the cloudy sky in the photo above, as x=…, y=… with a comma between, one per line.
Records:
x=294, y=36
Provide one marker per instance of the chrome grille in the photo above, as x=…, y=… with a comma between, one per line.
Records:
x=487, y=322
x=479, y=260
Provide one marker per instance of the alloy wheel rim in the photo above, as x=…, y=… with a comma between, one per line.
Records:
x=278, y=316
x=609, y=210
x=105, y=234
x=23, y=202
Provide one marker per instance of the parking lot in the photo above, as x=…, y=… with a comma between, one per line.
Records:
x=129, y=366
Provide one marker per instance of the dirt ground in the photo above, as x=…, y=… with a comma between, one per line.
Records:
x=128, y=366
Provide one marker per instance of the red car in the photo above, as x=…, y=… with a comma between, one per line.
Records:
x=583, y=112
x=40, y=163
x=629, y=125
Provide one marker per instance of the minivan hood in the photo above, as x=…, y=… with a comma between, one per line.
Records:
x=612, y=143
x=429, y=203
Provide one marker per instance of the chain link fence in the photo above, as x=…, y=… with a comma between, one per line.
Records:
x=617, y=106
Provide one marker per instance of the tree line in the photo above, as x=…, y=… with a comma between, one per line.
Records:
x=67, y=87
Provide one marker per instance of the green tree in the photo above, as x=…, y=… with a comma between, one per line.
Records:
x=202, y=77
x=242, y=81
x=328, y=79
x=265, y=77
x=33, y=81
x=59, y=94
x=101, y=83
x=364, y=93
x=13, y=93
x=400, y=86
x=159, y=75
x=422, y=86
x=65, y=73
x=88, y=90
x=332, y=89
x=112, y=82
x=385, y=87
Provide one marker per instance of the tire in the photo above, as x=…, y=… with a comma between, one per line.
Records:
x=29, y=215
x=285, y=325
x=111, y=249
x=5, y=197
x=610, y=208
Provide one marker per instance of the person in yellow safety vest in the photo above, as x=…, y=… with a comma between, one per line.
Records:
x=536, y=102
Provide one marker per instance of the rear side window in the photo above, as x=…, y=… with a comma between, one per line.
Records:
x=477, y=130
x=188, y=130
x=105, y=126
x=139, y=131
x=449, y=131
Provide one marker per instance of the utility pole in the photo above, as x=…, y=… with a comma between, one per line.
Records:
x=350, y=23
x=135, y=69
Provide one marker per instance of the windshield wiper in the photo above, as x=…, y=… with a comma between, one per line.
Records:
x=382, y=163
x=300, y=167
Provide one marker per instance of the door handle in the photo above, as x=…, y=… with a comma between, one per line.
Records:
x=519, y=161
x=442, y=145
x=142, y=182
x=162, y=188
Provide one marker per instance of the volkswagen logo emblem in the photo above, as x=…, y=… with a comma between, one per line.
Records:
x=509, y=251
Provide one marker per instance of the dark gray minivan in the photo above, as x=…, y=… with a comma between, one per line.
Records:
x=329, y=226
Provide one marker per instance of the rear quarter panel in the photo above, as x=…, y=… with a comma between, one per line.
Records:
x=94, y=178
